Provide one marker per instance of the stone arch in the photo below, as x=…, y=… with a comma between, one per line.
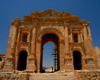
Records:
x=79, y=50
x=22, y=60
x=49, y=37
x=50, y=30
x=23, y=49
x=60, y=47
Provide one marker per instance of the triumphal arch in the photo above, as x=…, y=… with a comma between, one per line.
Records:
x=71, y=36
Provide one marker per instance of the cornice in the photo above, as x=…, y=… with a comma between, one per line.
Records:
x=38, y=16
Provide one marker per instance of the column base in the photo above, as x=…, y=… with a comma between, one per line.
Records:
x=38, y=71
x=9, y=65
x=31, y=67
x=69, y=67
x=90, y=63
x=68, y=64
x=91, y=67
x=8, y=68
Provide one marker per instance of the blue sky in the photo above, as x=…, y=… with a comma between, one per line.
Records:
x=85, y=9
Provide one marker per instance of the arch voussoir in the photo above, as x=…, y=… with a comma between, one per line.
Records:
x=50, y=30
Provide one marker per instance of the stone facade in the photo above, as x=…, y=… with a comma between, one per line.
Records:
x=71, y=36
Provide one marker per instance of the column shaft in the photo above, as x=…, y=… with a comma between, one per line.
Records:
x=28, y=37
x=89, y=33
x=18, y=36
x=14, y=37
x=66, y=40
x=61, y=54
x=81, y=37
x=33, y=40
x=38, y=50
x=85, y=33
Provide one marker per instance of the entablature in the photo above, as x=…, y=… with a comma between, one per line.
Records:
x=75, y=29
x=53, y=17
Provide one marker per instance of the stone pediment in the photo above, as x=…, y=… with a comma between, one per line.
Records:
x=51, y=15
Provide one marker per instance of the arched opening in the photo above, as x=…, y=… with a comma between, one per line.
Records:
x=0, y=59
x=50, y=38
x=22, y=60
x=77, y=60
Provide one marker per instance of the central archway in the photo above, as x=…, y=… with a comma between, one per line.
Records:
x=49, y=37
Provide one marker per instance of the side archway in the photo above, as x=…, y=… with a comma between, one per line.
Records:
x=77, y=62
x=22, y=60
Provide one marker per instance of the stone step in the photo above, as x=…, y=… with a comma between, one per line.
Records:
x=52, y=76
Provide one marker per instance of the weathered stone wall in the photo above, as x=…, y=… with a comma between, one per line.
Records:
x=97, y=52
x=87, y=75
x=13, y=76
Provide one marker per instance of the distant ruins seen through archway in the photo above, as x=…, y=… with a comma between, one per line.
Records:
x=50, y=38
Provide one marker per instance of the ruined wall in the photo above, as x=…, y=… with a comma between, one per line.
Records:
x=97, y=52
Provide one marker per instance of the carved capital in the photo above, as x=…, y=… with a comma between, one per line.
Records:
x=85, y=24
x=16, y=24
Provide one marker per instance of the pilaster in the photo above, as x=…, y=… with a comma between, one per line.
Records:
x=38, y=54
x=89, y=32
x=61, y=54
x=90, y=63
x=10, y=61
x=66, y=37
x=29, y=36
x=83, y=63
x=31, y=67
x=33, y=43
x=71, y=35
x=79, y=37
x=85, y=31
x=18, y=36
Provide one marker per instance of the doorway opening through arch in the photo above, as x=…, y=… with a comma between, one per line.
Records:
x=77, y=60
x=50, y=40
x=22, y=60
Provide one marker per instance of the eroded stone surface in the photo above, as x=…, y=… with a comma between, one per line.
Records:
x=75, y=75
